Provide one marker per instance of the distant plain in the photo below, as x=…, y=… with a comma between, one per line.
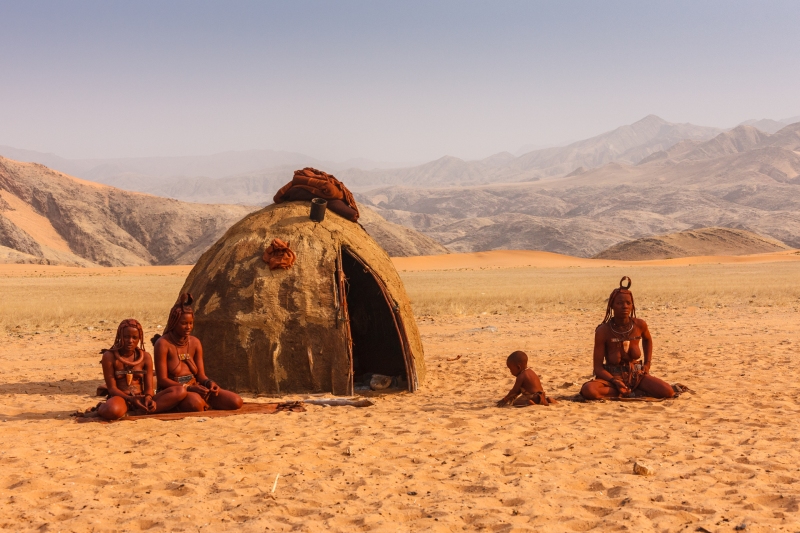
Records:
x=49, y=298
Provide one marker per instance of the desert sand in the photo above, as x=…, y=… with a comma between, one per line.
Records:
x=725, y=456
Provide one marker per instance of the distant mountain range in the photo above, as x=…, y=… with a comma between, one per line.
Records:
x=768, y=125
x=649, y=178
x=252, y=177
x=743, y=178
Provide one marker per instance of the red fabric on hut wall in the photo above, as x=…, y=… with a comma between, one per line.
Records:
x=312, y=183
x=279, y=255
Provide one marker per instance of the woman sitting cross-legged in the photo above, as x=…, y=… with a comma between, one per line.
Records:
x=128, y=373
x=618, y=370
x=179, y=362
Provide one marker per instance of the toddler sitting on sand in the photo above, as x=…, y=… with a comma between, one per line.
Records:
x=527, y=386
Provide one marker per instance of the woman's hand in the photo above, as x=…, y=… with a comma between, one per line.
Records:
x=213, y=387
x=149, y=403
x=138, y=402
x=503, y=403
x=620, y=385
x=199, y=389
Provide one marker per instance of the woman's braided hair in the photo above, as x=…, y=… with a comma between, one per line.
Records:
x=127, y=323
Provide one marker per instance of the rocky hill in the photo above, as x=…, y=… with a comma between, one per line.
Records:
x=47, y=217
x=54, y=218
x=705, y=241
x=397, y=240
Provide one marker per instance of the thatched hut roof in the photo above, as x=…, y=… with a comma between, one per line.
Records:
x=341, y=310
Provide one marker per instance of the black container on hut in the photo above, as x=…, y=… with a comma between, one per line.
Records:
x=318, y=207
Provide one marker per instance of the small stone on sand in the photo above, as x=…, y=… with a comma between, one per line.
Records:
x=641, y=469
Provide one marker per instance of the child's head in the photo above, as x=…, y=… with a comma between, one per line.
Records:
x=517, y=362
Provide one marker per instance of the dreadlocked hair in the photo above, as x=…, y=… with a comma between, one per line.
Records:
x=616, y=292
x=127, y=323
x=182, y=307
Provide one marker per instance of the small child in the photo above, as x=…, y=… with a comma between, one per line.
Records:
x=527, y=386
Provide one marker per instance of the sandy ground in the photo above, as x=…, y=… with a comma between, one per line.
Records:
x=442, y=459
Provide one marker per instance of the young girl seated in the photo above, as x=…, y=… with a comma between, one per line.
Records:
x=128, y=373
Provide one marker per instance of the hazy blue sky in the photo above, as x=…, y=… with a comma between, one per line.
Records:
x=399, y=81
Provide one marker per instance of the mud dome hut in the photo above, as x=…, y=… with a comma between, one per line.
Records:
x=340, y=311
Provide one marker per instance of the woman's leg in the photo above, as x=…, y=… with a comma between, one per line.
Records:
x=225, y=400
x=113, y=409
x=192, y=403
x=168, y=398
x=598, y=389
x=655, y=388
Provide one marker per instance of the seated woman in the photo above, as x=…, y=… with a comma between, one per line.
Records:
x=128, y=373
x=617, y=368
x=179, y=362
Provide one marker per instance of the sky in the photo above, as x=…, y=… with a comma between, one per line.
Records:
x=404, y=81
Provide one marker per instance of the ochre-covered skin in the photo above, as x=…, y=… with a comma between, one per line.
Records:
x=281, y=331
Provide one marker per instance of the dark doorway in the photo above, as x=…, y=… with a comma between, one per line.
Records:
x=377, y=346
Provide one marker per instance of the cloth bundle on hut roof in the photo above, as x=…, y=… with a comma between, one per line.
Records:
x=279, y=255
x=311, y=183
x=337, y=317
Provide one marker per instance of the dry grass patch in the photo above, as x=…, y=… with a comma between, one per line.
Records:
x=525, y=290
x=46, y=299
x=34, y=298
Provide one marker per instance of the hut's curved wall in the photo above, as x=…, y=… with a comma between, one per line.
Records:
x=278, y=331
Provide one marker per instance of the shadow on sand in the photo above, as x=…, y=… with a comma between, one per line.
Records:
x=47, y=388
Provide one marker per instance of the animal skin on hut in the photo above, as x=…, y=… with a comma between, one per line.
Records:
x=279, y=255
x=311, y=183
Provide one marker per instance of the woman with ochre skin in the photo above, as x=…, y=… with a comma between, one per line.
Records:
x=179, y=362
x=128, y=373
x=618, y=370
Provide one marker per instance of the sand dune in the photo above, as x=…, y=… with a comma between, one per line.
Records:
x=700, y=242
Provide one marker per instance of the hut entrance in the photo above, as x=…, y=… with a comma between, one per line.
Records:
x=376, y=331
